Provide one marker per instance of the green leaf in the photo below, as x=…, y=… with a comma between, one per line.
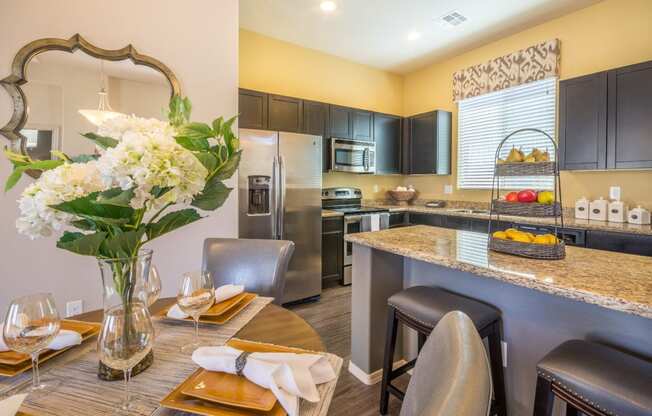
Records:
x=197, y=131
x=103, y=141
x=13, y=179
x=44, y=165
x=208, y=160
x=195, y=144
x=87, y=207
x=230, y=139
x=172, y=221
x=115, y=196
x=84, y=224
x=123, y=244
x=158, y=191
x=179, y=111
x=213, y=195
x=60, y=155
x=84, y=158
x=17, y=159
x=228, y=169
x=217, y=125
x=84, y=244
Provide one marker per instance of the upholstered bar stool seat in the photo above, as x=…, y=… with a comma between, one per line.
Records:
x=595, y=380
x=429, y=304
x=421, y=308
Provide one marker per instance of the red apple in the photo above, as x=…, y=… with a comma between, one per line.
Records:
x=512, y=197
x=527, y=195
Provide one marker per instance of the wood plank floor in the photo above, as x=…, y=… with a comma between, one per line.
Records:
x=331, y=318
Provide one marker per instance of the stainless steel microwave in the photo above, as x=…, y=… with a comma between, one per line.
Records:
x=357, y=157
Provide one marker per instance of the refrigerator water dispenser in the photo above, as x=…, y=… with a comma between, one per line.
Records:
x=258, y=194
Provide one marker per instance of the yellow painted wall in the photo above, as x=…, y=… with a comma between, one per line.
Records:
x=270, y=65
x=609, y=34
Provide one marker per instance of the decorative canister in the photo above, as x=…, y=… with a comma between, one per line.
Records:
x=617, y=211
x=582, y=208
x=598, y=209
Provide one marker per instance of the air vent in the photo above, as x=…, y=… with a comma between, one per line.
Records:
x=452, y=19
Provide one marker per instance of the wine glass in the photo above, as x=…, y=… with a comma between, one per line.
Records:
x=196, y=295
x=32, y=322
x=153, y=286
x=126, y=338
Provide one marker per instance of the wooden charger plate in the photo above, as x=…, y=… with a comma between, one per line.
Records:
x=211, y=393
x=13, y=363
x=227, y=313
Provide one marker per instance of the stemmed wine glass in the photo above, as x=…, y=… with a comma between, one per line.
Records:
x=126, y=337
x=32, y=322
x=153, y=286
x=195, y=296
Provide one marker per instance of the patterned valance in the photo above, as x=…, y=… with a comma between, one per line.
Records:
x=531, y=64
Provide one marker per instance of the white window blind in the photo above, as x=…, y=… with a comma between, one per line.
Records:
x=484, y=121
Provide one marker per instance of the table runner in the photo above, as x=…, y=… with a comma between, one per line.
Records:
x=82, y=393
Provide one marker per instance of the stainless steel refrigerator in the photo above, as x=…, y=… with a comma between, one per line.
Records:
x=279, y=193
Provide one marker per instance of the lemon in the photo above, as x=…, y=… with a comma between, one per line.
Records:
x=552, y=239
x=511, y=232
x=500, y=235
x=541, y=239
x=521, y=238
x=531, y=236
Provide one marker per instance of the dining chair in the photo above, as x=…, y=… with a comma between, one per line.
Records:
x=259, y=265
x=452, y=375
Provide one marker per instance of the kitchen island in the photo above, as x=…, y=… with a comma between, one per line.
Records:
x=595, y=295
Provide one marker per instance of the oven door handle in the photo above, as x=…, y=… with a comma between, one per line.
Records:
x=350, y=219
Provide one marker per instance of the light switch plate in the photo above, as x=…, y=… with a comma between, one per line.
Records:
x=614, y=193
x=74, y=307
x=376, y=188
x=448, y=189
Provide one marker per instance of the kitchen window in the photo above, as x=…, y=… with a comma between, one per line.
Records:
x=485, y=120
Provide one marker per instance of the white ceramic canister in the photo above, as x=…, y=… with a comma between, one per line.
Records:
x=598, y=209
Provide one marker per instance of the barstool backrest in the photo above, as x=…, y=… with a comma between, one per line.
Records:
x=452, y=376
x=259, y=265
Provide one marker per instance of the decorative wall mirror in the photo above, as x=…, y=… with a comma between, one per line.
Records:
x=61, y=88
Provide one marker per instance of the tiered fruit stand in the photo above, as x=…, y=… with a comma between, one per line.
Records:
x=500, y=206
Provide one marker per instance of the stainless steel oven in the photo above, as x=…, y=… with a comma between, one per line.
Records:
x=357, y=223
x=357, y=157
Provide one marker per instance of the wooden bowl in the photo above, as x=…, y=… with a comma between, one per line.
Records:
x=402, y=197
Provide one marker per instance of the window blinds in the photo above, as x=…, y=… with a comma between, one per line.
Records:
x=484, y=121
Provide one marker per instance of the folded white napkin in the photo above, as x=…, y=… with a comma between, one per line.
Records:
x=10, y=406
x=64, y=339
x=289, y=376
x=222, y=293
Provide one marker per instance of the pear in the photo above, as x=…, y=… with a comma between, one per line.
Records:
x=530, y=159
x=544, y=157
x=533, y=155
x=515, y=155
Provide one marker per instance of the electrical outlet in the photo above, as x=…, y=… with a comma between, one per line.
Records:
x=376, y=188
x=614, y=192
x=74, y=307
x=448, y=189
x=503, y=346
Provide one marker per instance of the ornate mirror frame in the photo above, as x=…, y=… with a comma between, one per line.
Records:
x=17, y=78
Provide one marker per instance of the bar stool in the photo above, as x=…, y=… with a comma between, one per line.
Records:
x=595, y=380
x=421, y=308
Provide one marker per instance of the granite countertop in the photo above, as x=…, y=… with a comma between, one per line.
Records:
x=622, y=282
x=569, y=221
x=327, y=213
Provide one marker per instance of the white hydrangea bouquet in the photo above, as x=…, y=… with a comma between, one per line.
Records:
x=116, y=199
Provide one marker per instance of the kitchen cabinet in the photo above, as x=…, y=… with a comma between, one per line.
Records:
x=583, y=122
x=363, y=125
x=332, y=248
x=629, y=115
x=429, y=143
x=620, y=242
x=341, y=122
x=398, y=219
x=285, y=113
x=435, y=220
x=315, y=121
x=387, y=135
x=252, y=106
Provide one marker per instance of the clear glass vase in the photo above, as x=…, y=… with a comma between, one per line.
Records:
x=125, y=283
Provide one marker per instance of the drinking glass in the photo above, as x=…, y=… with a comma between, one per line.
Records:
x=196, y=295
x=153, y=286
x=32, y=322
x=126, y=338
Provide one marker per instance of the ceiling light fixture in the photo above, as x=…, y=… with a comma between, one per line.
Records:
x=104, y=111
x=452, y=19
x=414, y=35
x=328, y=6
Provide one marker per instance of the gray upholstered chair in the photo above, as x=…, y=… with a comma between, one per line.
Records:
x=259, y=265
x=452, y=376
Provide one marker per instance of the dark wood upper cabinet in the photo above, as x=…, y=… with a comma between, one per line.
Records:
x=387, y=135
x=252, y=106
x=363, y=125
x=583, y=122
x=285, y=113
x=429, y=143
x=629, y=115
x=341, y=122
x=315, y=118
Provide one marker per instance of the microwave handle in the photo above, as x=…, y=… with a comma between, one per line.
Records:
x=365, y=159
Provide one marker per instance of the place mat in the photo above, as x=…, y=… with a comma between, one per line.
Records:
x=326, y=390
x=81, y=392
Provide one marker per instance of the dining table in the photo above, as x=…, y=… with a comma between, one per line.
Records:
x=270, y=324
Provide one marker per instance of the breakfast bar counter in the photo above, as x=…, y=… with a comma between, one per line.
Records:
x=599, y=296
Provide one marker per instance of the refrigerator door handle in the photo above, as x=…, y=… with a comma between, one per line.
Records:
x=274, y=198
x=281, y=206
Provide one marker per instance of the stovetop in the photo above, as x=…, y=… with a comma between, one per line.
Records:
x=347, y=201
x=358, y=210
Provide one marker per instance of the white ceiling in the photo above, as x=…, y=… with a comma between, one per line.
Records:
x=374, y=32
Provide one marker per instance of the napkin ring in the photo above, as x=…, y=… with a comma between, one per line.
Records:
x=240, y=362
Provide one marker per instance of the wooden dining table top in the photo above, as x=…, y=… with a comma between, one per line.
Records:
x=273, y=325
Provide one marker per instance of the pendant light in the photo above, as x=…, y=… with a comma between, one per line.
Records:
x=104, y=111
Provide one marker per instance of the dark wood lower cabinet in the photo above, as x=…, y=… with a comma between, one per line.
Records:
x=332, y=248
x=620, y=242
